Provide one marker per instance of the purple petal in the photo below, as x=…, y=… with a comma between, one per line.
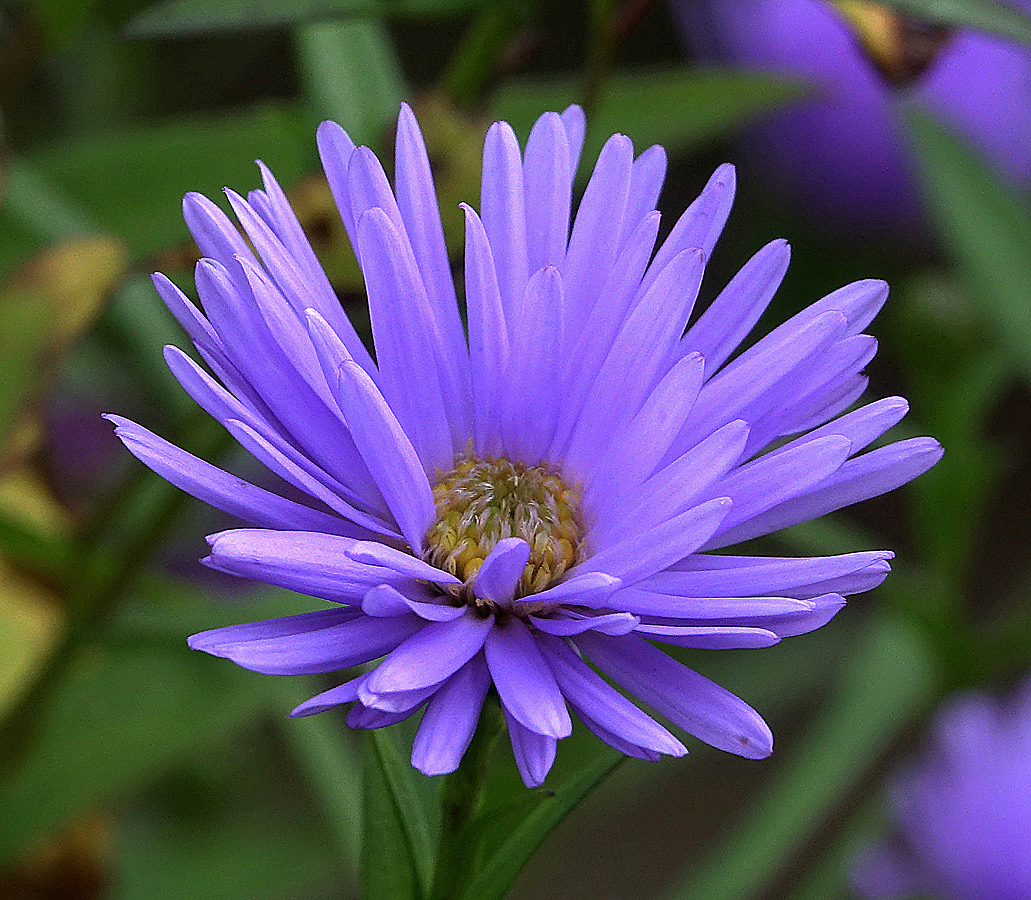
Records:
x=769, y=480
x=531, y=396
x=524, y=682
x=738, y=307
x=565, y=626
x=318, y=648
x=503, y=212
x=488, y=335
x=700, y=224
x=383, y=444
x=687, y=699
x=631, y=460
x=547, y=180
x=645, y=553
x=450, y=719
x=585, y=588
x=498, y=577
x=375, y=554
x=534, y=753
x=436, y=652
x=644, y=601
x=408, y=345
x=730, y=576
x=646, y=177
x=335, y=696
x=710, y=637
x=312, y=563
x=385, y=600
x=217, y=488
x=865, y=476
x=336, y=149
x=594, y=241
x=591, y=695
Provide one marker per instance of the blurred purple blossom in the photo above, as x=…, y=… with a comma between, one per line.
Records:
x=962, y=811
x=515, y=509
x=843, y=154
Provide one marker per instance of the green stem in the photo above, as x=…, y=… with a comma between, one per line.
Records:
x=474, y=64
x=459, y=803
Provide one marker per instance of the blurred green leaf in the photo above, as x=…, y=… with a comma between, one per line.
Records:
x=132, y=181
x=224, y=826
x=890, y=681
x=983, y=225
x=61, y=19
x=183, y=17
x=515, y=821
x=47, y=304
x=677, y=108
x=351, y=74
x=1005, y=19
x=397, y=854
x=128, y=705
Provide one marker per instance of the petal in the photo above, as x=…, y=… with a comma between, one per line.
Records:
x=384, y=600
x=644, y=601
x=594, y=241
x=710, y=637
x=434, y=653
x=565, y=626
x=644, y=553
x=318, y=648
x=547, y=182
x=534, y=753
x=450, y=720
x=637, y=358
x=375, y=554
x=503, y=213
x=578, y=589
x=217, y=488
x=590, y=694
x=720, y=576
x=408, y=343
x=738, y=307
x=488, y=335
x=632, y=459
x=498, y=577
x=308, y=562
x=673, y=489
x=700, y=224
x=687, y=699
x=864, y=476
x=524, y=682
x=335, y=696
x=777, y=477
x=336, y=149
x=388, y=453
x=532, y=396
x=646, y=177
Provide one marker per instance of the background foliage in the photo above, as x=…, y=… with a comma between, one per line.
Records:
x=131, y=768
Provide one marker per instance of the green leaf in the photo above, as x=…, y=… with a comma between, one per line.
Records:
x=351, y=74
x=677, y=108
x=183, y=17
x=891, y=681
x=515, y=821
x=397, y=856
x=1004, y=19
x=984, y=227
x=149, y=700
x=132, y=181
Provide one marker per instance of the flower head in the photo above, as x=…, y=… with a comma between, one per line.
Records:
x=840, y=152
x=531, y=502
x=962, y=817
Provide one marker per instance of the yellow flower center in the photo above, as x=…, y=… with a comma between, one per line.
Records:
x=482, y=501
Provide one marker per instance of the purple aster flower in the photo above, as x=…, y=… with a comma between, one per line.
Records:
x=842, y=152
x=533, y=501
x=962, y=816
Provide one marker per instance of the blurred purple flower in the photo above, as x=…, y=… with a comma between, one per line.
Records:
x=515, y=507
x=843, y=154
x=962, y=811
